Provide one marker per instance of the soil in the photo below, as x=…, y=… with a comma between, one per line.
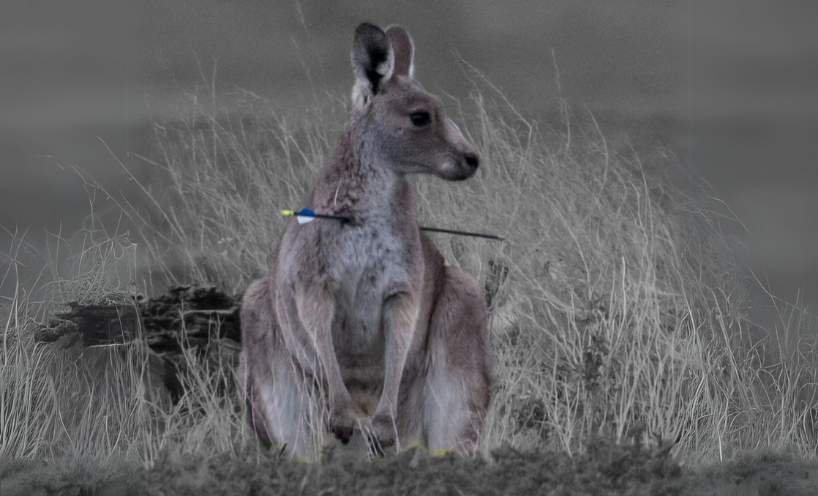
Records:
x=605, y=469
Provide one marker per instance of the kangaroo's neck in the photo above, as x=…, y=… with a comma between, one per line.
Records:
x=357, y=185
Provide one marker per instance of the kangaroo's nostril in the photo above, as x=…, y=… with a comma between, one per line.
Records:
x=472, y=160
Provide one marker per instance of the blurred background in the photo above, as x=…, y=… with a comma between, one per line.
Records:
x=730, y=86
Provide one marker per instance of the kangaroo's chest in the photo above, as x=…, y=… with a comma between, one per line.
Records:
x=368, y=262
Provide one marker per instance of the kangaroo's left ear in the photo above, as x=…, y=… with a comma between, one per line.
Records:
x=372, y=61
x=404, y=49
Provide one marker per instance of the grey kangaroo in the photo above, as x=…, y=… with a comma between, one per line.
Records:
x=362, y=326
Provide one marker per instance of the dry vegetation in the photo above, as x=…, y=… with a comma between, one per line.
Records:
x=617, y=307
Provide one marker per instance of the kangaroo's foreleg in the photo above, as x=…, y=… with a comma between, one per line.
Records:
x=315, y=310
x=400, y=313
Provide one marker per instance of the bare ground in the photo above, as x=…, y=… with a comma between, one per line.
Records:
x=605, y=469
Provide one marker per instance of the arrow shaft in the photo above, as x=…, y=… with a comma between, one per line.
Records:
x=322, y=216
x=461, y=233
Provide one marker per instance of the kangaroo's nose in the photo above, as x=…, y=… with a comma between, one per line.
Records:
x=472, y=159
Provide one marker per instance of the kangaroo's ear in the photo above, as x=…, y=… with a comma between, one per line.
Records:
x=372, y=61
x=404, y=49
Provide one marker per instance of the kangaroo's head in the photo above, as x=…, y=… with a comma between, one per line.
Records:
x=402, y=125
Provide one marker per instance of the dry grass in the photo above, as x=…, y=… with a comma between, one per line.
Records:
x=617, y=306
x=102, y=404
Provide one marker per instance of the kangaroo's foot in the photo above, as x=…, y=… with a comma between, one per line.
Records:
x=342, y=422
x=383, y=433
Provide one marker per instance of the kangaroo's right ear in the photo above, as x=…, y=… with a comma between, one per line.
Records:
x=372, y=60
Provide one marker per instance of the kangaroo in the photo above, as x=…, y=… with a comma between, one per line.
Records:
x=362, y=325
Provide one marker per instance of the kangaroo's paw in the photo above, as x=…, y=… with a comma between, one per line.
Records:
x=382, y=433
x=342, y=424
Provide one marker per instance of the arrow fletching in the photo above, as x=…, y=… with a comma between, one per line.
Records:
x=305, y=215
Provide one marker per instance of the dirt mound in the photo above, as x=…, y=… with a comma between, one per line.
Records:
x=605, y=469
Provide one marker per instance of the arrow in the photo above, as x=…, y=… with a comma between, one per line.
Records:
x=306, y=215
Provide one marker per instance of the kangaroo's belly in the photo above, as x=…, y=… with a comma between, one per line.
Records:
x=357, y=331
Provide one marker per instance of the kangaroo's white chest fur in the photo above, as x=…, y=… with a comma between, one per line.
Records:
x=369, y=262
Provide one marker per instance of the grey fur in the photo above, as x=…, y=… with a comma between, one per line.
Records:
x=362, y=325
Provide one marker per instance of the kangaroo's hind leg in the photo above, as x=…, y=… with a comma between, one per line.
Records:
x=283, y=402
x=457, y=388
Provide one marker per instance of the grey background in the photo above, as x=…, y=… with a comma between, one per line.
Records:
x=731, y=85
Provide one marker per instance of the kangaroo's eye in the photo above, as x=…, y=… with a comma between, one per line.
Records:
x=420, y=119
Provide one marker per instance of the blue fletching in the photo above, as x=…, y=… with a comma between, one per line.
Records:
x=305, y=215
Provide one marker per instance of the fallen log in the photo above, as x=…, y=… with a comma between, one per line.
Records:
x=192, y=320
